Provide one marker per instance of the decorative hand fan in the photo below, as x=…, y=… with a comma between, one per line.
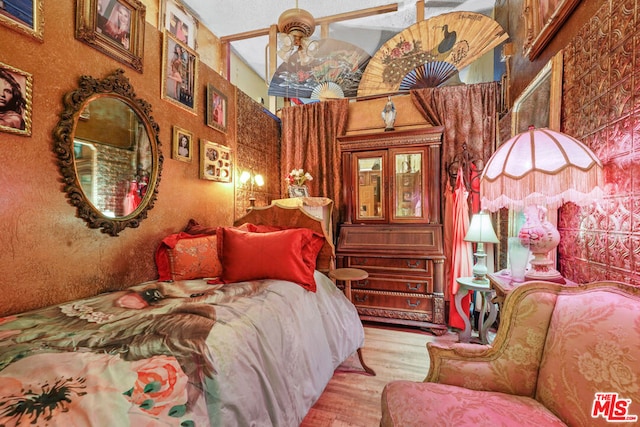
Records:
x=456, y=38
x=431, y=74
x=331, y=61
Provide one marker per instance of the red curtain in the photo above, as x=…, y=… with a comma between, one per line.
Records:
x=309, y=142
x=469, y=116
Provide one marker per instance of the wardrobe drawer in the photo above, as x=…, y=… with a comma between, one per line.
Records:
x=414, y=265
x=419, y=285
x=396, y=301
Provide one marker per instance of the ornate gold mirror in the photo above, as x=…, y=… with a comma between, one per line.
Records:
x=108, y=153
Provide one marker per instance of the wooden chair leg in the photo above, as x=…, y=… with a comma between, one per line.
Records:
x=367, y=369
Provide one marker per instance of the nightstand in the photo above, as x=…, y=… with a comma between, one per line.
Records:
x=467, y=284
x=346, y=275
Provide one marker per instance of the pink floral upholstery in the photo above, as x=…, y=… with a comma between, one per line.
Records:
x=557, y=346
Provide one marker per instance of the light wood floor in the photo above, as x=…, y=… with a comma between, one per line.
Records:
x=352, y=399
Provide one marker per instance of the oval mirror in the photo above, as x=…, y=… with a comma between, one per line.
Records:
x=108, y=153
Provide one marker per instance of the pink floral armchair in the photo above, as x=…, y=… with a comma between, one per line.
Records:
x=563, y=356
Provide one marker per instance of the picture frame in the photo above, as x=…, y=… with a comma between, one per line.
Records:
x=25, y=16
x=299, y=191
x=17, y=120
x=182, y=145
x=543, y=19
x=215, y=162
x=216, y=109
x=539, y=104
x=114, y=27
x=179, y=73
x=179, y=22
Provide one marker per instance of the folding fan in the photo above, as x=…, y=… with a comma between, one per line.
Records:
x=456, y=38
x=332, y=71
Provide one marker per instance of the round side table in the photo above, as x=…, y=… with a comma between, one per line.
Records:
x=467, y=284
x=346, y=275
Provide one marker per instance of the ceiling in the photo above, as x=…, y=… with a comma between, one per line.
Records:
x=226, y=18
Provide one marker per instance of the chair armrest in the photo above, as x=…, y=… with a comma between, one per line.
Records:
x=510, y=364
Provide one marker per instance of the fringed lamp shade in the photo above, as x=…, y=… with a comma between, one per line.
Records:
x=536, y=170
x=541, y=167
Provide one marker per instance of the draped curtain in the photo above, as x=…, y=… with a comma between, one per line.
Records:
x=468, y=114
x=309, y=142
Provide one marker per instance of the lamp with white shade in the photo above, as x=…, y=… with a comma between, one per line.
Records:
x=481, y=232
x=536, y=170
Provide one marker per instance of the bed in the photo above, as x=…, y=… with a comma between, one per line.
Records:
x=188, y=351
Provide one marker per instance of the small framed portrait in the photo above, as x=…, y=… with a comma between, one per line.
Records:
x=299, y=191
x=179, y=73
x=216, y=109
x=115, y=27
x=182, y=145
x=179, y=23
x=16, y=104
x=215, y=162
x=25, y=16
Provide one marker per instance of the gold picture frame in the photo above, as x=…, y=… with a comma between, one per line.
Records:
x=114, y=27
x=216, y=109
x=182, y=145
x=175, y=18
x=179, y=73
x=18, y=119
x=29, y=20
x=539, y=104
x=543, y=19
x=215, y=162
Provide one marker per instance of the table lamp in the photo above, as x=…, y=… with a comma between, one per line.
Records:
x=481, y=232
x=536, y=170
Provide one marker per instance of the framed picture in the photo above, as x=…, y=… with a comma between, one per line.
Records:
x=16, y=105
x=216, y=109
x=179, y=73
x=182, y=145
x=301, y=191
x=114, y=27
x=543, y=19
x=540, y=102
x=215, y=161
x=25, y=16
x=179, y=23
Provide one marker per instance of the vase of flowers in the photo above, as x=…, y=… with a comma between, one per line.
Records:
x=296, y=180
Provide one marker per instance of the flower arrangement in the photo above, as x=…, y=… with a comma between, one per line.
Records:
x=298, y=177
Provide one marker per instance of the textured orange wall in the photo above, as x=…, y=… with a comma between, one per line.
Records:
x=48, y=254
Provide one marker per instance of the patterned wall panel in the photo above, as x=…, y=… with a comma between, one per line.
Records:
x=601, y=106
x=258, y=149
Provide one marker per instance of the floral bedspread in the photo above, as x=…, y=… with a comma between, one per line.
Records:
x=184, y=353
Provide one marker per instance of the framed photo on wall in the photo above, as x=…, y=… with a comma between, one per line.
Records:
x=25, y=16
x=216, y=109
x=15, y=112
x=543, y=19
x=182, y=145
x=539, y=104
x=215, y=161
x=179, y=73
x=114, y=27
x=179, y=23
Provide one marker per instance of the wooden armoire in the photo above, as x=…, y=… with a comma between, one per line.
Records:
x=392, y=225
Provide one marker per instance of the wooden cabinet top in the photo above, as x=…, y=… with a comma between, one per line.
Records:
x=415, y=136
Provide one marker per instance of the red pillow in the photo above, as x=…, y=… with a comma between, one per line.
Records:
x=184, y=256
x=286, y=255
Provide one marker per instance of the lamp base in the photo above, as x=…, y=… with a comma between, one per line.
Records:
x=542, y=237
x=549, y=275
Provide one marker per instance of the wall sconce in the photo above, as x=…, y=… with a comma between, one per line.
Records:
x=253, y=180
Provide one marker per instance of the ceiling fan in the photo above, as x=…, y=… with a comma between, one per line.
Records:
x=295, y=27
